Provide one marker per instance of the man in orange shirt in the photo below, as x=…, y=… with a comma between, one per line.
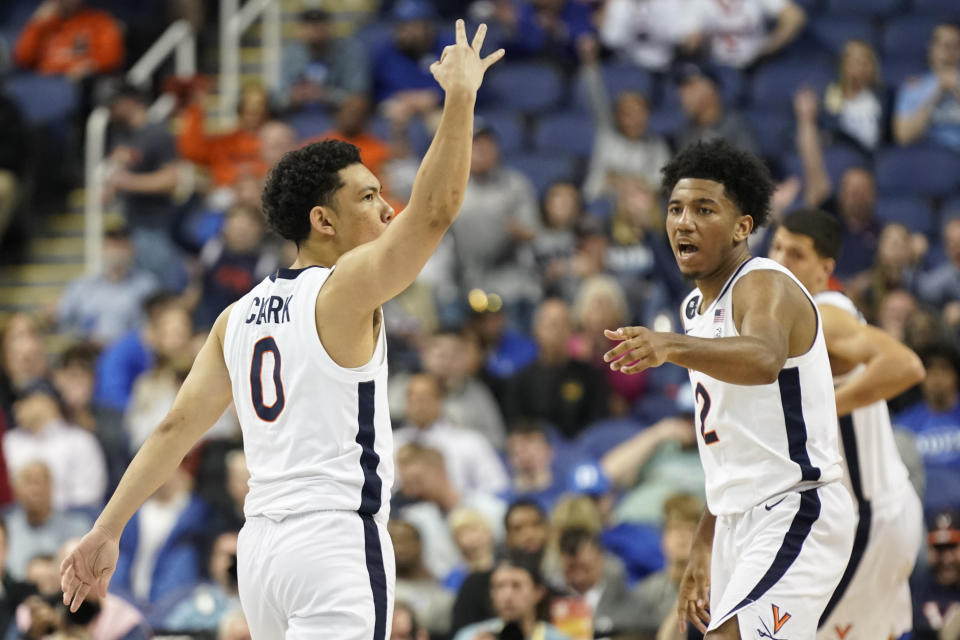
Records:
x=351, y=121
x=64, y=37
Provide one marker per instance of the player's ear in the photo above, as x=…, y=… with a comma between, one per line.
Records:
x=829, y=264
x=743, y=228
x=321, y=220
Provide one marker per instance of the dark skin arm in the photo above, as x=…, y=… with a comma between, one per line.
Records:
x=693, y=598
x=775, y=320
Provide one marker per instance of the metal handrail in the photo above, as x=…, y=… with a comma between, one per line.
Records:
x=234, y=21
x=177, y=40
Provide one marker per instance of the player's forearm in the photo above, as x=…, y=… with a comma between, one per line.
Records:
x=442, y=178
x=740, y=360
x=703, y=538
x=883, y=378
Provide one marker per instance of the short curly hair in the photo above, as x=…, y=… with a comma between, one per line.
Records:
x=303, y=179
x=745, y=178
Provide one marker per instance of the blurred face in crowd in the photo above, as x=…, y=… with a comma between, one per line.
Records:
x=406, y=545
x=403, y=627
x=352, y=115
x=117, y=256
x=514, y=594
x=601, y=310
x=530, y=454
x=697, y=95
x=561, y=205
x=276, y=139
x=796, y=252
x=486, y=154
x=945, y=564
x=441, y=356
x=172, y=331
x=552, y=328
x=254, y=104
x=238, y=477
x=243, y=229
x=896, y=307
x=945, y=48
x=857, y=199
x=858, y=66
x=413, y=37
x=677, y=540
x=424, y=400
x=474, y=541
x=526, y=530
x=33, y=486
x=584, y=569
x=222, y=558
x=893, y=249
x=75, y=383
x=551, y=6
x=940, y=385
x=315, y=33
x=43, y=572
x=951, y=240
x=36, y=411
x=24, y=359
x=638, y=202
x=632, y=115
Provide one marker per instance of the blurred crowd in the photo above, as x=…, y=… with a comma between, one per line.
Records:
x=539, y=494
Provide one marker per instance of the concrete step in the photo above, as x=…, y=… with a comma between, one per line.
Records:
x=66, y=224
x=38, y=273
x=29, y=296
x=56, y=249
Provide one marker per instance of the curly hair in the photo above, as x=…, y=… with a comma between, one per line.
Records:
x=745, y=179
x=303, y=179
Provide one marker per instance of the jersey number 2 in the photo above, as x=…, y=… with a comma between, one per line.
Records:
x=268, y=413
x=709, y=437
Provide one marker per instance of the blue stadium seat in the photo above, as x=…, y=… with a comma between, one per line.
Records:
x=897, y=69
x=832, y=32
x=947, y=9
x=43, y=99
x=417, y=134
x=543, y=169
x=811, y=6
x=618, y=78
x=572, y=132
x=526, y=86
x=950, y=207
x=914, y=213
x=920, y=171
x=775, y=84
x=374, y=35
x=870, y=8
x=908, y=36
x=509, y=128
x=838, y=159
x=309, y=123
x=601, y=437
x=773, y=129
x=666, y=121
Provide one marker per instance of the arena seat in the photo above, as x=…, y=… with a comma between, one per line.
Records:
x=775, y=84
x=910, y=211
x=43, y=99
x=544, y=169
x=868, y=8
x=920, y=170
x=309, y=123
x=832, y=32
x=617, y=78
x=571, y=132
x=907, y=36
x=526, y=86
x=508, y=127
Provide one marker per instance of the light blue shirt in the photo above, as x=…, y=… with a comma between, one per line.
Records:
x=944, y=126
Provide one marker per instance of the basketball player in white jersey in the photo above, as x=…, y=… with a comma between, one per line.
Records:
x=778, y=528
x=869, y=366
x=303, y=356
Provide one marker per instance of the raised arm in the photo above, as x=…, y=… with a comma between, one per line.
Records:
x=774, y=317
x=911, y=124
x=371, y=274
x=790, y=23
x=202, y=399
x=816, y=180
x=890, y=367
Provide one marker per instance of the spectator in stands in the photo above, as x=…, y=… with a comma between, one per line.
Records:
x=472, y=463
x=516, y=592
x=415, y=584
x=318, y=68
x=201, y=607
x=936, y=591
x=935, y=422
x=160, y=547
x=474, y=540
x=104, y=306
x=34, y=527
x=657, y=593
x=623, y=146
x=144, y=173
x=505, y=349
x=352, y=120
x=404, y=625
x=928, y=107
x=72, y=454
x=13, y=592
x=401, y=76
x=565, y=392
x=596, y=590
x=941, y=286
x=707, y=117
x=423, y=479
x=738, y=33
x=894, y=311
x=554, y=247
x=497, y=222
x=854, y=99
x=651, y=33
x=854, y=200
x=232, y=491
x=233, y=626
x=64, y=37
x=232, y=263
x=24, y=357
x=553, y=30
x=74, y=377
x=14, y=145
x=895, y=267
x=530, y=459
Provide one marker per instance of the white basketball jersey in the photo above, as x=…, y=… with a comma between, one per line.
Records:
x=317, y=436
x=758, y=441
x=876, y=471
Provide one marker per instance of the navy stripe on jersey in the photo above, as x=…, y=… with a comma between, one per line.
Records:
x=862, y=535
x=732, y=278
x=378, y=577
x=793, y=541
x=369, y=459
x=792, y=402
x=291, y=274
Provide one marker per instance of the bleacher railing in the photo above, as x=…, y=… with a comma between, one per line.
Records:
x=234, y=21
x=178, y=41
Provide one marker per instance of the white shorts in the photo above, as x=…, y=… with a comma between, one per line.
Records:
x=872, y=600
x=776, y=566
x=327, y=574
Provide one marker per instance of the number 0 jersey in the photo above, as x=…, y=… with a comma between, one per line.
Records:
x=317, y=436
x=758, y=441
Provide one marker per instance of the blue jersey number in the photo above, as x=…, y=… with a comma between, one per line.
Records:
x=709, y=437
x=268, y=413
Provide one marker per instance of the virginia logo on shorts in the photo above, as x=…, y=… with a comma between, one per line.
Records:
x=842, y=631
x=778, y=622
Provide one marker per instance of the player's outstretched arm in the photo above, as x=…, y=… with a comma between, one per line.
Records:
x=202, y=399
x=890, y=367
x=766, y=305
x=371, y=274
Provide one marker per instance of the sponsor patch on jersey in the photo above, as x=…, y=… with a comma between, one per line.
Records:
x=692, y=305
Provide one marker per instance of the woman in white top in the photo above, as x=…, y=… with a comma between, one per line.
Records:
x=853, y=99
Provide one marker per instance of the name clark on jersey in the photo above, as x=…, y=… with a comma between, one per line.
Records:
x=273, y=310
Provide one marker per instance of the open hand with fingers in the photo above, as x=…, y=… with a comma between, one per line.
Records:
x=460, y=66
x=89, y=567
x=693, y=598
x=639, y=349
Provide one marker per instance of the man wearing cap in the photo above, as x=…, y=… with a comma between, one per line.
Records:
x=936, y=592
x=707, y=117
x=318, y=68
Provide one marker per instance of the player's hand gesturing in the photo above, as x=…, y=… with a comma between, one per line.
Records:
x=639, y=349
x=88, y=567
x=460, y=65
x=693, y=597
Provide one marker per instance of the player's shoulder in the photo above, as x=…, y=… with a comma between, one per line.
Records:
x=762, y=277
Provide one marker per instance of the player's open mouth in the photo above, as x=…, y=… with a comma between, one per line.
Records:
x=685, y=249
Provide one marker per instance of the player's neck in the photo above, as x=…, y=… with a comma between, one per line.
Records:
x=310, y=255
x=712, y=284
